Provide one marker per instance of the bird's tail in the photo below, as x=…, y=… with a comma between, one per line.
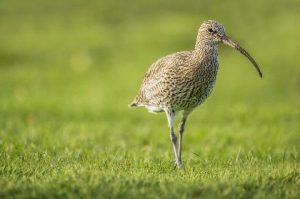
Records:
x=133, y=104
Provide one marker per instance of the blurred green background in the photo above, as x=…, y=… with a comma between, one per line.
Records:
x=69, y=68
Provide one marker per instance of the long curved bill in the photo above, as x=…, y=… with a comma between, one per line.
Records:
x=227, y=41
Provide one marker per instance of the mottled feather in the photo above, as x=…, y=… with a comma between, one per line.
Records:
x=180, y=81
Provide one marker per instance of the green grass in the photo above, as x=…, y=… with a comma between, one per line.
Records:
x=69, y=69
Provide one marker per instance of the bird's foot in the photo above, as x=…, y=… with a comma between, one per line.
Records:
x=178, y=164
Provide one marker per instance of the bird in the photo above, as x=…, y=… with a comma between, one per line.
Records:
x=180, y=82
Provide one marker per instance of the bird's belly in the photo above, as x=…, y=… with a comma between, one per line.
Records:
x=193, y=95
x=203, y=92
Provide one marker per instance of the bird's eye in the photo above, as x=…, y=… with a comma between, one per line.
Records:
x=210, y=30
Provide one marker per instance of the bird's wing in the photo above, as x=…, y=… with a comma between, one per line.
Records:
x=155, y=78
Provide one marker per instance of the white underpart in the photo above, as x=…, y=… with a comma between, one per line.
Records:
x=153, y=109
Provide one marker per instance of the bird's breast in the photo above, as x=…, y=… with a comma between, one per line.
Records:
x=195, y=86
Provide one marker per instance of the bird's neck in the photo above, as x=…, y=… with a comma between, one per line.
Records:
x=204, y=50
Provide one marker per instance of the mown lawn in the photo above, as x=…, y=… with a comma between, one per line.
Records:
x=68, y=70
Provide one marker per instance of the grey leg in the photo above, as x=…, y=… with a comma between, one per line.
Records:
x=171, y=118
x=181, y=130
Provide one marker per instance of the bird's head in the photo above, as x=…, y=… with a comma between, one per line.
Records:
x=212, y=33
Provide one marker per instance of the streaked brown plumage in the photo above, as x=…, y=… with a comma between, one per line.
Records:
x=183, y=80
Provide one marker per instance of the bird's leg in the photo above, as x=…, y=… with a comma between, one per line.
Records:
x=181, y=130
x=171, y=118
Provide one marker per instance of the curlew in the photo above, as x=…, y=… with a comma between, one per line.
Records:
x=183, y=80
